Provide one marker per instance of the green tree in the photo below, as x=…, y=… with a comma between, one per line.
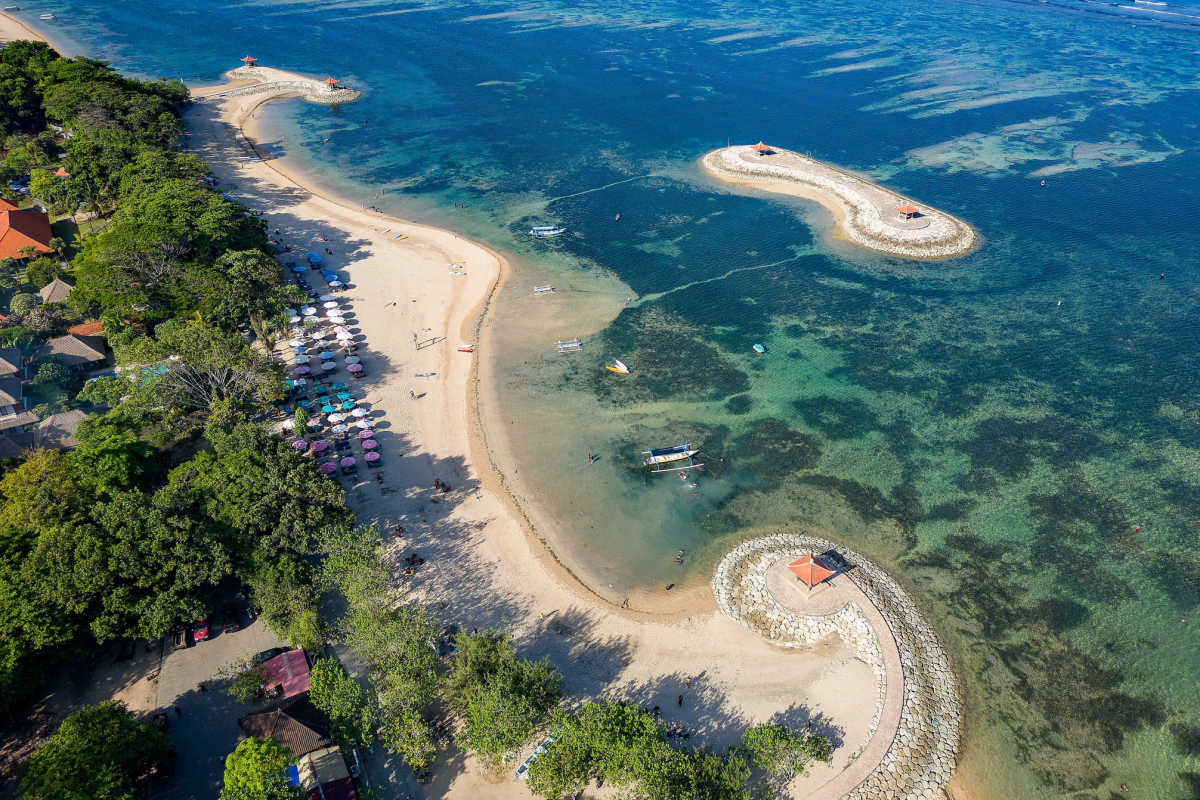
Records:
x=403, y=731
x=98, y=753
x=23, y=303
x=282, y=588
x=245, y=679
x=106, y=391
x=256, y=770
x=42, y=271
x=782, y=752
x=501, y=697
x=333, y=691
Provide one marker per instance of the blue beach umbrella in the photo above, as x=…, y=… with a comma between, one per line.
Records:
x=327, y=409
x=314, y=258
x=347, y=405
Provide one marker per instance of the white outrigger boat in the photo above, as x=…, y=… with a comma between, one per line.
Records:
x=546, y=231
x=671, y=459
x=569, y=346
x=617, y=366
x=547, y=289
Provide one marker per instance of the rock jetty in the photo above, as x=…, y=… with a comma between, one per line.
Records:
x=923, y=746
x=277, y=84
x=867, y=214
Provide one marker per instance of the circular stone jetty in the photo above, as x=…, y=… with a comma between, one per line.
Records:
x=866, y=213
x=916, y=727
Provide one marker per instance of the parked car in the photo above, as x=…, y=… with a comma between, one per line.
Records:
x=523, y=770
x=267, y=655
x=200, y=630
x=229, y=618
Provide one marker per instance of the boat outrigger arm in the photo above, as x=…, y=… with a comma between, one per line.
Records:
x=668, y=459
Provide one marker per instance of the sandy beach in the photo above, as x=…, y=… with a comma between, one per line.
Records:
x=481, y=562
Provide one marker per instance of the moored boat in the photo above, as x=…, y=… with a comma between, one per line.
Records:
x=671, y=459
x=546, y=231
x=543, y=289
x=758, y=348
x=45, y=17
x=617, y=366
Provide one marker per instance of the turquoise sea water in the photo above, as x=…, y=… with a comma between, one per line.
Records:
x=1030, y=470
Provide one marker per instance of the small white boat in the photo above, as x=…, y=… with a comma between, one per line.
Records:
x=665, y=459
x=12, y=8
x=546, y=231
x=758, y=348
x=46, y=17
x=569, y=346
x=543, y=289
x=617, y=366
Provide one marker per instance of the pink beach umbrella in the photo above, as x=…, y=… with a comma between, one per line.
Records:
x=372, y=456
x=299, y=444
x=319, y=446
x=341, y=329
x=349, y=461
x=355, y=367
x=366, y=433
x=370, y=444
x=359, y=412
x=327, y=468
x=301, y=371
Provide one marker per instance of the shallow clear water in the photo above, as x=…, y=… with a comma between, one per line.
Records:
x=999, y=452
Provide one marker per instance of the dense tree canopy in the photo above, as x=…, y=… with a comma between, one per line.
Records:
x=98, y=753
x=256, y=771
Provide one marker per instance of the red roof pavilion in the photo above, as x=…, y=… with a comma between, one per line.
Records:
x=289, y=671
x=810, y=570
x=908, y=212
x=61, y=172
x=330, y=82
x=761, y=148
x=249, y=61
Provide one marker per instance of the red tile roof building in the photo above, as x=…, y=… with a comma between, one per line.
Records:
x=287, y=670
x=21, y=229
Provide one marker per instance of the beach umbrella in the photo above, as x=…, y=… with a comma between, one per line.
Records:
x=328, y=366
x=335, y=284
x=349, y=461
x=359, y=412
x=327, y=467
x=330, y=304
x=341, y=329
x=319, y=335
x=344, y=395
x=320, y=445
x=325, y=297
x=347, y=405
x=295, y=343
x=370, y=444
x=339, y=428
x=302, y=359
x=326, y=355
x=301, y=381
x=366, y=433
x=299, y=444
x=352, y=360
x=305, y=403
x=336, y=418
x=293, y=318
x=362, y=424
x=329, y=409
x=288, y=424
x=342, y=334
x=308, y=310
x=333, y=312
x=301, y=371
x=372, y=456
x=337, y=387
x=356, y=368
x=314, y=258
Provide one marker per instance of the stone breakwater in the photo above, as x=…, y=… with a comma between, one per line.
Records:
x=278, y=84
x=866, y=211
x=924, y=747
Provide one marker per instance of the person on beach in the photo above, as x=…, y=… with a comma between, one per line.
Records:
x=681, y=700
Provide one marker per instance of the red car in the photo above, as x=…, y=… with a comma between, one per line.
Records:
x=200, y=630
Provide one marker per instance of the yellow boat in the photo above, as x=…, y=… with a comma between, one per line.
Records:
x=618, y=367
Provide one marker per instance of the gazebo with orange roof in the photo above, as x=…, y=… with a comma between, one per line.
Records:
x=761, y=149
x=907, y=212
x=811, y=571
x=250, y=61
x=61, y=172
x=330, y=83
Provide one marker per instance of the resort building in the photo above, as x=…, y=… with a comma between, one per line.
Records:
x=55, y=291
x=24, y=228
x=79, y=352
x=296, y=724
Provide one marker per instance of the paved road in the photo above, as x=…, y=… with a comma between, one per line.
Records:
x=207, y=730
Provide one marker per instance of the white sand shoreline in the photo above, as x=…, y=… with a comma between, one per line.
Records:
x=864, y=212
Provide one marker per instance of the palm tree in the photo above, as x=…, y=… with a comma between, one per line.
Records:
x=266, y=330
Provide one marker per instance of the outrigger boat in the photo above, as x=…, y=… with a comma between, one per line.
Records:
x=546, y=231
x=672, y=459
x=617, y=366
x=466, y=348
x=569, y=346
x=543, y=289
x=758, y=348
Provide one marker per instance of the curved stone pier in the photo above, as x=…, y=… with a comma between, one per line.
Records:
x=917, y=723
x=867, y=213
x=278, y=84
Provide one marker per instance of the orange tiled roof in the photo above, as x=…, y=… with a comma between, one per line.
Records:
x=20, y=229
